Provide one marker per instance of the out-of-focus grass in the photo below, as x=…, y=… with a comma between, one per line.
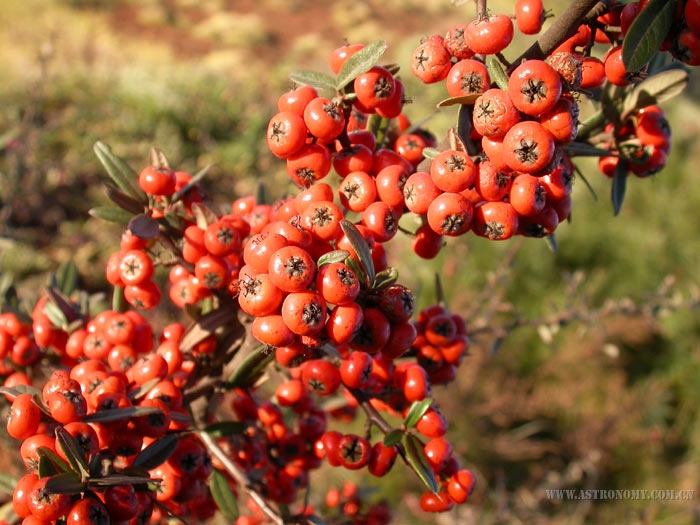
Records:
x=604, y=404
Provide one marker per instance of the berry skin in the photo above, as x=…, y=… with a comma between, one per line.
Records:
x=157, y=181
x=534, y=87
x=615, y=71
x=495, y=220
x=527, y=195
x=24, y=417
x=431, y=62
x=490, y=35
x=374, y=88
x=435, y=502
x=88, y=511
x=453, y=171
x=460, y=486
x=324, y=119
x=340, y=55
x=467, y=77
x=337, y=283
x=46, y=505
x=455, y=42
x=354, y=451
x=320, y=377
x=304, y=313
x=494, y=113
x=528, y=147
x=295, y=100
x=286, y=134
x=291, y=269
x=529, y=16
x=450, y=214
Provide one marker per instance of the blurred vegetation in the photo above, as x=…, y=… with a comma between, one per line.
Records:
x=594, y=401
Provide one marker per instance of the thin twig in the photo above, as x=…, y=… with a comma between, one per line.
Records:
x=240, y=477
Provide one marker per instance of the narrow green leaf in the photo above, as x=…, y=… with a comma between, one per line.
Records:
x=225, y=428
x=110, y=214
x=466, y=100
x=360, y=62
x=393, y=438
x=65, y=483
x=196, y=179
x=356, y=268
x=646, y=34
x=314, y=79
x=552, y=242
x=67, y=278
x=118, y=479
x=7, y=484
x=55, y=315
x=118, y=414
x=223, y=496
x=385, y=278
x=655, y=89
x=497, y=72
x=418, y=462
x=141, y=391
x=122, y=200
x=416, y=411
x=251, y=369
x=50, y=463
x=144, y=226
x=72, y=451
x=332, y=257
x=619, y=185
x=157, y=452
x=361, y=248
x=430, y=153
x=120, y=172
x=19, y=389
x=583, y=149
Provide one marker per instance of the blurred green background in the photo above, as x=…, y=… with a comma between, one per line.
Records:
x=585, y=363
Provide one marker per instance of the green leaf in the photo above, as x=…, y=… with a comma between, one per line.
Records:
x=122, y=200
x=137, y=393
x=619, y=185
x=655, y=89
x=360, y=62
x=50, y=463
x=418, y=462
x=67, y=278
x=361, y=248
x=416, y=411
x=430, y=153
x=552, y=242
x=332, y=257
x=646, y=34
x=120, y=172
x=55, y=315
x=19, y=389
x=223, y=496
x=251, y=369
x=157, y=452
x=583, y=149
x=7, y=484
x=144, y=226
x=65, y=483
x=453, y=101
x=393, y=438
x=119, y=414
x=314, y=79
x=385, y=278
x=110, y=214
x=118, y=479
x=497, y=72
x=72, y=451
x=226, y=428
x=196, y=178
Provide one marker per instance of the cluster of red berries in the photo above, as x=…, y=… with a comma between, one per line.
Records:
x=116, y=395
x=642, y=143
